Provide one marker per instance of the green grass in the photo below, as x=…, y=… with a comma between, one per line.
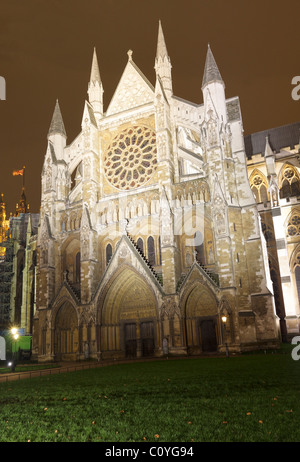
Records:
x=249, y=398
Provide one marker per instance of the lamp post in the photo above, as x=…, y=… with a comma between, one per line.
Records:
x=15, y=337
x=224, y=319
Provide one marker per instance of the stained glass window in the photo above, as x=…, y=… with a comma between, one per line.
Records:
x=131, y=159
x=77, y=273
x=140, y=244
x=259, y=188
x=151, y=250
x=290, y=184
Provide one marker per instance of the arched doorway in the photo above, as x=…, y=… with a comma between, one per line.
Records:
x=201, y=317
x=66, y=333
x=128, y=317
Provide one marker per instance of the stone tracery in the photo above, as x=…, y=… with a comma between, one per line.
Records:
x=131, y=159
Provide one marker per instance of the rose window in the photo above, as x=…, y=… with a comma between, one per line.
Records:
x=131, y=160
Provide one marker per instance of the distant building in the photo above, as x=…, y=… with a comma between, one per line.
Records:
x=274, y=174
x=4, y=225
x=18, y=268
x=149, y=231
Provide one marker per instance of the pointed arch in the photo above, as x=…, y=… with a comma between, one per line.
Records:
x=127, y=315
x=259, y=186
x=289, y=181
x=70, y=250
x=66, y=332
x=76, y=175
x=108, y=253
x=292, y=223
x=140, y=244
x=151, y=250
x=201, y=316
x=295, y=270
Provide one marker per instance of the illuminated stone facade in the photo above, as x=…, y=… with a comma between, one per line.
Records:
x=274, y=174
x=149, y=231
x=4, y=225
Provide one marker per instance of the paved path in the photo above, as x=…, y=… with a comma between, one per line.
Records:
x=63, y=367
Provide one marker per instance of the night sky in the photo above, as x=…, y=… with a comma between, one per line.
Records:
x=46, y=49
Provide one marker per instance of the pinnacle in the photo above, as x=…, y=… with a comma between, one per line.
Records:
x=95, y=73
x=161, y=44
x=57, y=124
x=211, y=71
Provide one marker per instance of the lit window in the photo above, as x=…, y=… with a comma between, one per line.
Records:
x=259, y=189
x=131, y=158
x=290, y=185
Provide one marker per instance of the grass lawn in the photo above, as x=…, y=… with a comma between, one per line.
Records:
x=249, y=398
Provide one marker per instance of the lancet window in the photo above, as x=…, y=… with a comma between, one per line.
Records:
x=199, y=248
x=151, y=250
x=290, y=183
x=108, y=253
x=259, y=187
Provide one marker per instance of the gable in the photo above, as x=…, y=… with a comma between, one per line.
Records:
x=132, y=91
x=127, y=255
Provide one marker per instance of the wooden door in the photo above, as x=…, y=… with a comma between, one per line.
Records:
x=130, y=340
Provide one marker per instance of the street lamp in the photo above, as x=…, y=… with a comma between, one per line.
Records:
x=224, y=319
x=15, y=336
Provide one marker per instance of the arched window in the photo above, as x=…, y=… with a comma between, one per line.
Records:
x=108, y=253
x=76, y=175
x=151, y=250
x=199, y=248
x=140, y=244
x=64, y=224
x=259, y=187
x=77, y=269
x=263, y=193
x=290, y=185
x=159, y=251
x=297, y=276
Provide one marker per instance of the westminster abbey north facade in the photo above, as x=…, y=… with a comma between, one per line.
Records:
x=150, y=239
